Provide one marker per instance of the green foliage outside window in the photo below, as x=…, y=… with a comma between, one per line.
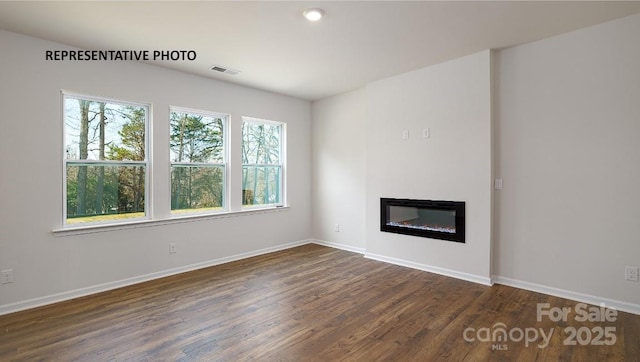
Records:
x=105, y=145
x=261, y=162
x=197, y=162
x=106, y=165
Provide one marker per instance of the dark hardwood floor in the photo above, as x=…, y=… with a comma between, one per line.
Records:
x=310, y=303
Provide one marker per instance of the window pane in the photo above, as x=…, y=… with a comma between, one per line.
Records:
x=104, y=193
x=261, y=143
x=197, y=188
x=196, y=138
x=103, y=131
x=261, y=185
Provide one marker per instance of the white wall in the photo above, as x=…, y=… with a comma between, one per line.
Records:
x=339, y=133
x=359, y=156
x=564, y=139
x=31, y=175
x=567, y=122
x=453, y=100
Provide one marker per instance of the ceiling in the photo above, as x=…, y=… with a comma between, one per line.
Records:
x=276, y=49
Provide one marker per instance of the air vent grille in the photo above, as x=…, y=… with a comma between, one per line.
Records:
x=225, y=70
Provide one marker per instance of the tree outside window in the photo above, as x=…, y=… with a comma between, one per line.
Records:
x=262, y=159
x=198, y=166
x=105, y=160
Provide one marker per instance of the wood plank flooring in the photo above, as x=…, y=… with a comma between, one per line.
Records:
x=309, y=303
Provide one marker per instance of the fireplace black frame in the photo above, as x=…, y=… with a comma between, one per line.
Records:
x=457, y=206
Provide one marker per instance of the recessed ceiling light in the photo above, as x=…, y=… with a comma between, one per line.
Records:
x=313, y=14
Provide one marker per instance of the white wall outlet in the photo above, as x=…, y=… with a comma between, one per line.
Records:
x=172, y=248
x=336, y=228
x=631, y=273
x=498, y=184
x=426, y=133
x=405, y=135
x=6, y=276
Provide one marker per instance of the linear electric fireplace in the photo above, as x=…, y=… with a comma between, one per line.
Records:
x=431, y=219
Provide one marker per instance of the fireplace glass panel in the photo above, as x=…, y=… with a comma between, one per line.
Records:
x=427, y=218
x=423, y=219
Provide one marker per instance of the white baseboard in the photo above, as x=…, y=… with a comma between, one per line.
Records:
x=339, y=246
x=567, y=294
x=406, y=263
x=431, y=269
x=60, y=297
x=580, y=297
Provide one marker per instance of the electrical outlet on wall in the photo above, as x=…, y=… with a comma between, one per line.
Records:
x=631, y=273
x=6, y=276
x=336, y=228
x=172, y=248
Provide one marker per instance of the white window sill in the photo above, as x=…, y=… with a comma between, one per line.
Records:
x=90, y=229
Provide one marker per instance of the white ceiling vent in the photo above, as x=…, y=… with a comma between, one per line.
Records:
x=221, y=69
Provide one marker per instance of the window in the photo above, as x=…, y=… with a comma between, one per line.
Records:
x=262, y=162
x=198, y=166
x=105, y=161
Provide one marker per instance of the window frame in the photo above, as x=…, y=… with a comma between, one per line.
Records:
x=146, y=163
x=226, y=156
x=282, y=163
x=232, y=141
